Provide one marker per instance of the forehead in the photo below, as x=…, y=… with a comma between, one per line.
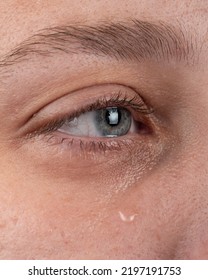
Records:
x=21, y=18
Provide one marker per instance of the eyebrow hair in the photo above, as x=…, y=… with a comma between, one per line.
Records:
x=133, y=40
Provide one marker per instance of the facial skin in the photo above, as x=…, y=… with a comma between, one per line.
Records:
x=143, y=195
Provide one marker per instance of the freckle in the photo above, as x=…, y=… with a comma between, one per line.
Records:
x=14, y=220
x=2, y=247
x=2, y=225
x=158, y=236
x=62, y=234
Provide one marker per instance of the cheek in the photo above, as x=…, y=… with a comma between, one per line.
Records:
x=179, y=195
x=59, y=222
x=42, y=220
x=194, y=244
x=160, y=217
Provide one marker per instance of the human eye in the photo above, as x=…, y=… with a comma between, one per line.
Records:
x=112, y=116
x=105, y=122
x=105, y=117
x=108, y=127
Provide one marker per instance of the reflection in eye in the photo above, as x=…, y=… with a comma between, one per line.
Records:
x=106, y=122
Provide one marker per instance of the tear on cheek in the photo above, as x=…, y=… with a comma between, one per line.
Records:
x=127, y=218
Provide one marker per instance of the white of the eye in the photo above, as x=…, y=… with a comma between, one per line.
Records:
x=74, y=122
x=84, y=125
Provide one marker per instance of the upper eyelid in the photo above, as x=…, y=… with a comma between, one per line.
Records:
x=112, y=92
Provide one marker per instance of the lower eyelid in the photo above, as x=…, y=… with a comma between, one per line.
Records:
x=108, y=154
x=136, y=152
x=94, y=143
x=91, y=146
x=88, y=147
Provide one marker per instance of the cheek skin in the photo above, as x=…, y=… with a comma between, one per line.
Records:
x=154, y=220
x=59, y=227
x=77, y=219
x=59, y=220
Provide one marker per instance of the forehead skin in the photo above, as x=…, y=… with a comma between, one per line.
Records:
x=182, y=185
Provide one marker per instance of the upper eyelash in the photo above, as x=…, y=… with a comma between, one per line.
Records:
x=118, y=100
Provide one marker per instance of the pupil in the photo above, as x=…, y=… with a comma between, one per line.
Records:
x=113, y=116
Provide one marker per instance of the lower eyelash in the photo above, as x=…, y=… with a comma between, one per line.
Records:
x=89, y=146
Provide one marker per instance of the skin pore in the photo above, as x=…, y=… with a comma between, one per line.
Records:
x=142, y=195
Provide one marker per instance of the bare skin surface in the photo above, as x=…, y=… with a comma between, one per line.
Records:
x=142, y=195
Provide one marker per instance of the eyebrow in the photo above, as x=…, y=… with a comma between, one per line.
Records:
x=132, y=40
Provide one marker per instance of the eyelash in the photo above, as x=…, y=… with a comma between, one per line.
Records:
x=119, y=100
